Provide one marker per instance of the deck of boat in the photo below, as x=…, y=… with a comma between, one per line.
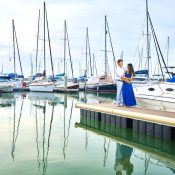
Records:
x=147, y=115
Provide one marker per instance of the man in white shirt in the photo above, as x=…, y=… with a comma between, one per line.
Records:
x=120, y=74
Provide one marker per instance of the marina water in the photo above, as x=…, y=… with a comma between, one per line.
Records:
x=39, y=136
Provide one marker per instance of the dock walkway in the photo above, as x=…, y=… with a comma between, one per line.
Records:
x=147, y=115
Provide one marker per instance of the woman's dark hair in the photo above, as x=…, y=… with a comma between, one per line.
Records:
x=131, y=69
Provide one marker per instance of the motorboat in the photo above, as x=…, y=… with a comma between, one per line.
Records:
x=156, y=92
x=6, y=86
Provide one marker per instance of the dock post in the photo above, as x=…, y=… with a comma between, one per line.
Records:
x=158, y=132
x=88, y=114
x=142, y=131
x=112, y=124
x=83, y=116
x=97, y=116
x=108, y=119
x=149, y=129
x=92, y=118
x=103, y=121
x=166, y=132
x=118, y=121
x=103, y=117
x=135, y=129
x=113, y=120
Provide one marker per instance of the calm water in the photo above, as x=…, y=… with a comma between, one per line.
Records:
x=40, y=134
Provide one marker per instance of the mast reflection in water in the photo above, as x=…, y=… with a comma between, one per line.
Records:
x=44, y=134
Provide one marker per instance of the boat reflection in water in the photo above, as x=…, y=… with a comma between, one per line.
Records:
x=43, y=149
x=16, y=127
x=43, y=139
x=6, y=100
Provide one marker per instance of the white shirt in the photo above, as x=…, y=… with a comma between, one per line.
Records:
x=120, y=72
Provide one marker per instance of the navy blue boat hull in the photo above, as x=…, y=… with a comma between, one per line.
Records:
x=102, y=88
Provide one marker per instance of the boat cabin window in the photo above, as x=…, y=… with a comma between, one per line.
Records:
x=151, y=89
x=169, y=89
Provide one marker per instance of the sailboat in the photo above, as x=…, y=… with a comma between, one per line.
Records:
x=66, y=85
x=161, y=92
x=41, y=83
x=103, y=83
x=11, y=81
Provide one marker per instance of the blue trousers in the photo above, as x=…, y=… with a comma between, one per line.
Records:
x=119, y=92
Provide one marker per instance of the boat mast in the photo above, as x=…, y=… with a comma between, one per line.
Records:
x=15, y=44
x=31, y=61
x=50, y=50
x=19, y=56
x=70, y=56
x=37, y=42
x=110, y=38
x=65, y=47
x=106, y=61
x=168, y=49
x=14, y=57
x=86, y=51
x=94, y=65
x=89, y=50
x=44, y=39
x=147, y=37
x=2, y=69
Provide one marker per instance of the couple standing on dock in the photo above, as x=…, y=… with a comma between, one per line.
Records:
x=125, y=93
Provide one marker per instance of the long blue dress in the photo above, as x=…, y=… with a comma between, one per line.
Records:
x=128, y=93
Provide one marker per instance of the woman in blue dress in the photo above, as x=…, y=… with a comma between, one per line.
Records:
x=127, y=89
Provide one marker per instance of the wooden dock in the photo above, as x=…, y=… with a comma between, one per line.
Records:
x=139, y=114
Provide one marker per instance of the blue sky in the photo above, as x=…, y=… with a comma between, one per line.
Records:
x=125, y=19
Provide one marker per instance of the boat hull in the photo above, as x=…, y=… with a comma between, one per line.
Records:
x=41, y=88
x=6, y=89
x=70, y=87
x=162, y=92
x=105, y=88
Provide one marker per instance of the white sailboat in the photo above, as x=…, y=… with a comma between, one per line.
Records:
x=160, y=92
x=156, y=93
x=6, y=86
x=64, y=84
x=42, y=84
x=103, y=83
